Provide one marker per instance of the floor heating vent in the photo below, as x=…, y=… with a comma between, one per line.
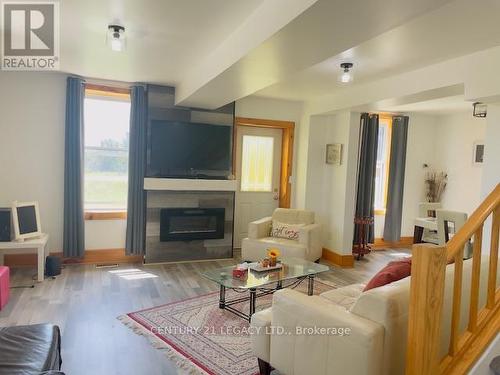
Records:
x=106, y=265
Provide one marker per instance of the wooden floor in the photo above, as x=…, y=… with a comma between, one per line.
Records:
x=85, y=301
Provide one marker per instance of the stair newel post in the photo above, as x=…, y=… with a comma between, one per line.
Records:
x=426, y=304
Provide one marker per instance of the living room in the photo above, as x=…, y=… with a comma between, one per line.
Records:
x=193, y=195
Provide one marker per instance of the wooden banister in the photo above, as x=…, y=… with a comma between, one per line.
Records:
x=476, y=274
x=492, y=275
x=427, y=297
x=457, y=302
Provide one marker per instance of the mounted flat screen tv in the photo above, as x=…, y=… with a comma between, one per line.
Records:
x=189, y=150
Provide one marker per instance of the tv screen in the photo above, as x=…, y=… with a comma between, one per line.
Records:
x=183, y=149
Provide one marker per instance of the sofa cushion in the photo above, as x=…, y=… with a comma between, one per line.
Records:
x=393, y=271
x=345, y=296
x=284, y=230
x=29, y=349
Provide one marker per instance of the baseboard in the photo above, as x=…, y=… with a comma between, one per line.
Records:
x=90, y=257
x=404, y=242
x=344, y=261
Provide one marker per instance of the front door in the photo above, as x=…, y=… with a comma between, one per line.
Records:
x=258, y=163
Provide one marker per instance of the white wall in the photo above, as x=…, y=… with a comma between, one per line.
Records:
x=330, y=188
x=32, y=111
x=274, y=109
x=105, y=234
x=491, y=167
x=455, y=136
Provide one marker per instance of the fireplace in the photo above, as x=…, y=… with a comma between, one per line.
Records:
x=185, y=224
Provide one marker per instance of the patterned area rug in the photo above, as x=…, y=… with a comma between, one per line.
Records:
x=201, y=338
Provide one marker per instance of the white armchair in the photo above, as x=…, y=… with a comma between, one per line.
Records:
x=308, y=245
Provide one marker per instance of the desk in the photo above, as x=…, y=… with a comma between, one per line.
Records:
x=40, y=244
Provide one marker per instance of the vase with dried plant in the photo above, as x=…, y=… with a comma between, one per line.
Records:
x=435, y=183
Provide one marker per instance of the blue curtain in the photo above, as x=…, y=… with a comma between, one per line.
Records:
x=136, y=209
x=394, y=209
x=74, y=229
x=367, y=166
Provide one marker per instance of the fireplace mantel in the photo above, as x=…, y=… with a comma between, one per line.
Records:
x=178, y=184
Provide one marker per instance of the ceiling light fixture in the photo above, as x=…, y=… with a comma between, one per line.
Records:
x=479, y=109
x=346, y=75
x=116, y=37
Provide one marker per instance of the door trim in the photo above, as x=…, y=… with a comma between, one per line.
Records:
x=287, y=128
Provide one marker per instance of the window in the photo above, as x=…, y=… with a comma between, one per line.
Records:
x=106, y=129
x=382, y=172
x=257, y=163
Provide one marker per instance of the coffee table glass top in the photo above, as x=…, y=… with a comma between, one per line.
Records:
x=293, y=268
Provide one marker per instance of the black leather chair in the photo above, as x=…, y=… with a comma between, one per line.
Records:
x=33, y=349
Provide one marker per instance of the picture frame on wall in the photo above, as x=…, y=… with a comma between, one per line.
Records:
x=334, y=154
x=478, y=153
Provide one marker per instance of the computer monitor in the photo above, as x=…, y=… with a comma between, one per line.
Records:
x=26, y=220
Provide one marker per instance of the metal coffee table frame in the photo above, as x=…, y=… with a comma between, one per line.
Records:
x=254, y=293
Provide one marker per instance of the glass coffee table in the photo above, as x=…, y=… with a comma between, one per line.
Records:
x=259, y=284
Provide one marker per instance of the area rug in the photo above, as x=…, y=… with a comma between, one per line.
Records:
x=201, y=338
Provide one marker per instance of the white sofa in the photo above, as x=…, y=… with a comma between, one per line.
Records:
x=308, y=246
x=378, y=320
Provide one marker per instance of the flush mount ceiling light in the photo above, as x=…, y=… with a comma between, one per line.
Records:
x=346, y=74
x=116, y=37
x=480, y=109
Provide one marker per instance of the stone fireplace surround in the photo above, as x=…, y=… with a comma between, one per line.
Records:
x=187, y=193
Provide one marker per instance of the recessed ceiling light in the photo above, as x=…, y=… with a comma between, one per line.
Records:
x=346, y=74
x=116, y=37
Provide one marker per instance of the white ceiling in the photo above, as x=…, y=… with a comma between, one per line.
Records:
x=456, y=29
x=441, y=106
x=164, y=37
x=217, y=51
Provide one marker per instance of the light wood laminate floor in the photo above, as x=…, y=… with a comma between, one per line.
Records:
x=85, y=301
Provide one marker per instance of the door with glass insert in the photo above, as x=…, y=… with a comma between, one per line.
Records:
x=258, y=159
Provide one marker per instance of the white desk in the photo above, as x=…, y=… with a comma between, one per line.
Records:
x=40, y=244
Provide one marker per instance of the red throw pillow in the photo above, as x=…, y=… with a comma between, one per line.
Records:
x=394, y=271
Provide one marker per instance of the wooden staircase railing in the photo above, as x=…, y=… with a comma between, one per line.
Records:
x=427, y=295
